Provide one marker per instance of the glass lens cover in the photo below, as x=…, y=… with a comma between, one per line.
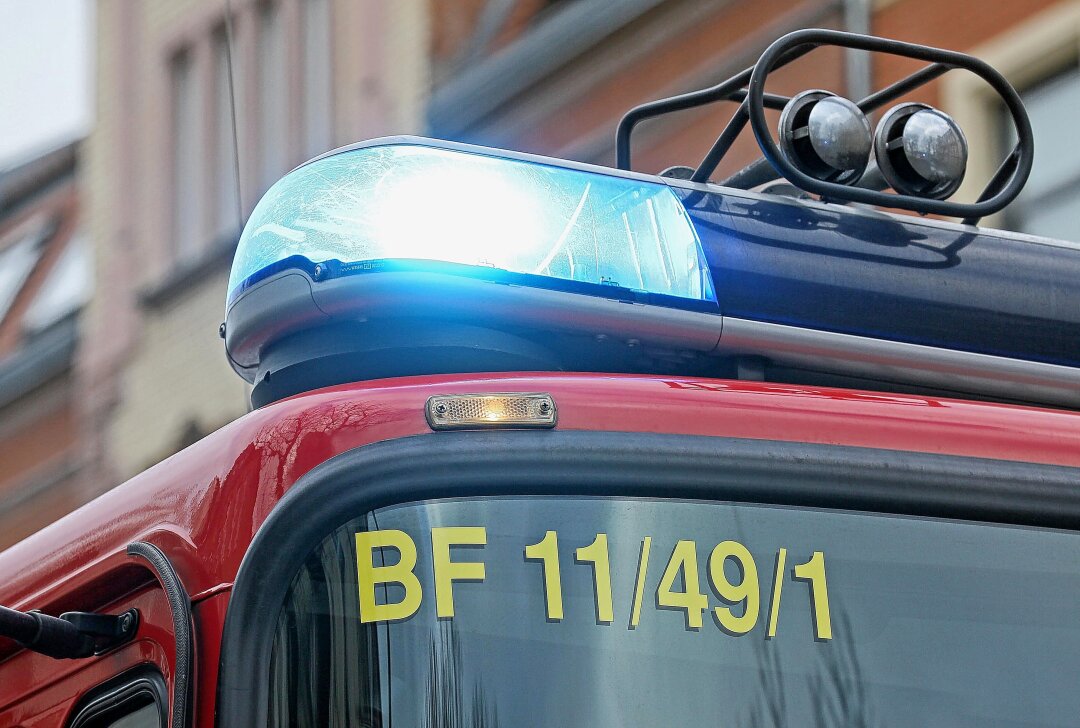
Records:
x=407, y=202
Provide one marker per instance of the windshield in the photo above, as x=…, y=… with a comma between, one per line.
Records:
x=633, y=612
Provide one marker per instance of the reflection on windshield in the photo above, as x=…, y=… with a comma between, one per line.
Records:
x=450, y=702
x=931, y=622
x=839, y=690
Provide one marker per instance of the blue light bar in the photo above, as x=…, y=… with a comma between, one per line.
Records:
x=406, y=205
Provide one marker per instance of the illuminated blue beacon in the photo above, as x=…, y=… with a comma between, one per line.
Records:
x=407, y=256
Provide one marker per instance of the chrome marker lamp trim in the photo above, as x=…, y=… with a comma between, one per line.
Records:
x=409, y=206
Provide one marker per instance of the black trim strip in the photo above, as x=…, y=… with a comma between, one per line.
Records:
x=469, y=464
x=183, y=628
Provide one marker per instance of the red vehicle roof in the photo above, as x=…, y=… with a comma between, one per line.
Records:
x=203, y=505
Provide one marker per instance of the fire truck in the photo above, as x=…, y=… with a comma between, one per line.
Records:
x=540, y=443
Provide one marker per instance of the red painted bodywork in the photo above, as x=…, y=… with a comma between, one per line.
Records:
x=203, y=506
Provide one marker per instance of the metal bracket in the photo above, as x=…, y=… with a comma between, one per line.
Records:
x=747, y=88
x=105, y=631
x=72, y=635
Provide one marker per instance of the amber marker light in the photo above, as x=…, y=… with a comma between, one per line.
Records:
x=510, y=410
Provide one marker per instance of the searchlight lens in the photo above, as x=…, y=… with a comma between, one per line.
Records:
x=935, y=146
x=359, y=210
x=921, y=151
x=826, y=136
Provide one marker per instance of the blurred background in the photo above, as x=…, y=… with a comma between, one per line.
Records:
x=119, y=209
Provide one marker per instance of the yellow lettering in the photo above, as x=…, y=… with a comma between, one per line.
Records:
x=547, y=552
x=596, y=553
x=447, y=571
x=399, y=573
x=745, y=591
x=813, y=571
x=691, y=600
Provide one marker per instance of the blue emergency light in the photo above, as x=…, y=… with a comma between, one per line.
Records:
x=406, y=256
x=404, y=206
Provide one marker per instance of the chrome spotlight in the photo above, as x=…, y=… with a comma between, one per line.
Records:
x=825, y=136
x=921, y=151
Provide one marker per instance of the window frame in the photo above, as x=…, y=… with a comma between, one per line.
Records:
x=111, y=698
x=273, y=131
x=1036, y=49
x=1027, y=206
x=187, y=102
x=317, y=125
x=470, y=464
x=224, y=101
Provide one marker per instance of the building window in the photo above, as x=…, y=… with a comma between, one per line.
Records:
x=318, y=135
x=1050, y=203
x=226, y=205
x=187, y=156
x=66, y=289
x=17, y=262
x=204, y=155
x=273, y=95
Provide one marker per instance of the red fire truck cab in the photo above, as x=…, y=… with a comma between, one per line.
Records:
x=542, y=443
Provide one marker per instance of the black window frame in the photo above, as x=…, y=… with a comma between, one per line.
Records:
x=120, y=696
x=472, y=464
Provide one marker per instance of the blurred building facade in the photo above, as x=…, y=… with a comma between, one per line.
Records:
x=45, y=280
x=161, y=180
x=160, y=170
x=554, y=78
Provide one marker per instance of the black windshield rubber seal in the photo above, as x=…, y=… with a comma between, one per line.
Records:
x=183, y=629
x=562, y=463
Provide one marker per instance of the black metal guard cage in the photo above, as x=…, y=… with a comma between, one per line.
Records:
x=748, y=89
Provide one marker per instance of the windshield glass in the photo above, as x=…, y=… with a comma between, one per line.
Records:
x=634, y=612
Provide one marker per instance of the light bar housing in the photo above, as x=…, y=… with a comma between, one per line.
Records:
x=402, y=206
x=405, y=255
x=801, y=285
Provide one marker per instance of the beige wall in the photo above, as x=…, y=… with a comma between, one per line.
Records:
x=156, y=372
x=177, y=381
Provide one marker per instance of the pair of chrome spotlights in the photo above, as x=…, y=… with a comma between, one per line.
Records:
x=918, y=150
